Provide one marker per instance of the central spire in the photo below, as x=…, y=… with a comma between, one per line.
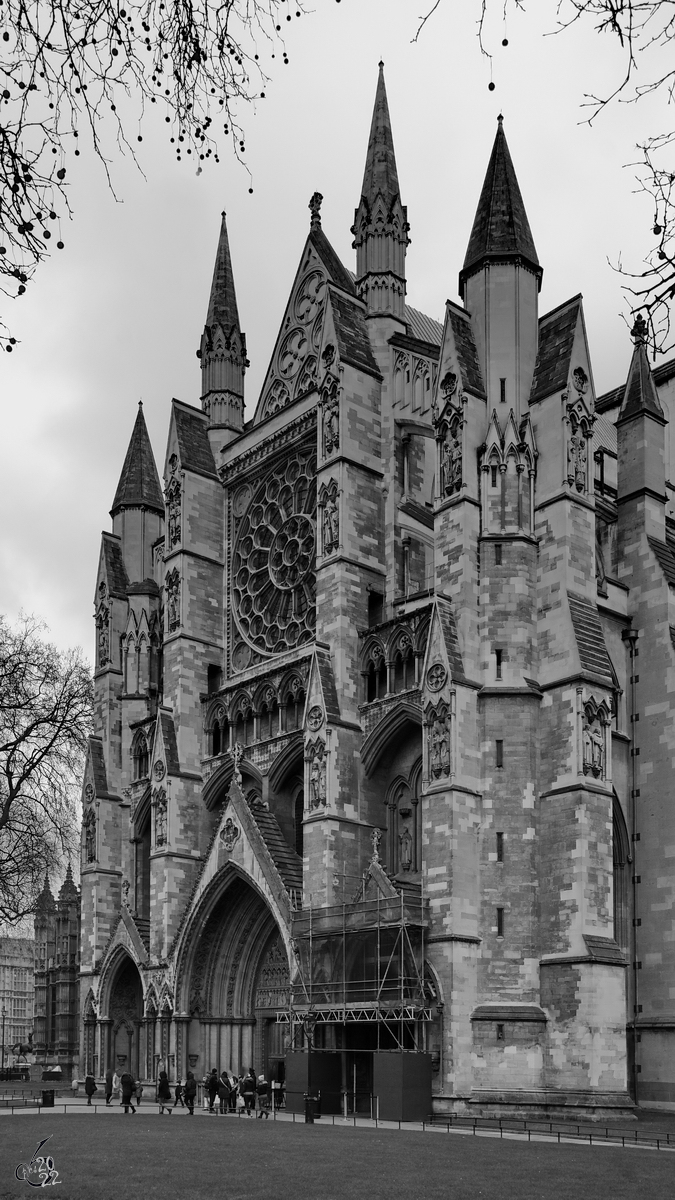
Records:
x=380, y=223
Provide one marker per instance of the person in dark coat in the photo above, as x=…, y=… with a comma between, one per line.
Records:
x=223, y=1093
x=108, y=1085
x=178, y=1095
x=164, y=1093
x=234, y=1089
x=190, y=1093
x=248, y=1091
x=139, y=1092
x=212, y=1088
x=127, y=1084
x=263, y=1090
x=90, y=1087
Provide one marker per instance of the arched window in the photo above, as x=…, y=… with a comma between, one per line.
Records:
x=621, y=861
x=404, y=674
x=248, y=727
x=295, y=707
x=140, y=755
x=215, y=740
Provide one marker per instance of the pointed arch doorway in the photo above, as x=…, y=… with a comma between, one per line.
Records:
x=125, y=1014
x=236, y=980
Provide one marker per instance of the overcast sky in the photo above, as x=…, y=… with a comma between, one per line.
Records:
x=117, y=316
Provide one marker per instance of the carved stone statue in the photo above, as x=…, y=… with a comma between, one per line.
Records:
x=439, y=749
x=173, y=494
x=376, y=838
x=331, y=526
x=593, y=746
x=331, y=426
x=160, y=817
x=90, y=836
x=172, y=586
x=576, y=459
x=406, y=843
x=317, y=778
x=103, y=624
x=451, y=465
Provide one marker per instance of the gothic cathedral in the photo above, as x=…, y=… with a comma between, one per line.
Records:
x=385, y=706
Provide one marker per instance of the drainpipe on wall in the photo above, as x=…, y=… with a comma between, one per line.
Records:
x=631, y=636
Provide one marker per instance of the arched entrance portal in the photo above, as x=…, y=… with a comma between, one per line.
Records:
x=125, y=1010
x=238, y=979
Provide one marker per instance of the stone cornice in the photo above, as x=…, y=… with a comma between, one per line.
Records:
x=268, y=447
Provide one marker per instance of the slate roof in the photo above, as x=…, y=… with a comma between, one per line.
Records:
x=640, y=395
x=223, y=300
x=447, y=619
x=286, y=861
x=556, y=339
x=352, y=333
x=380, y=176
x=590, y=639
x=665, y=558
x=139, y=481
x=98, y=768
x=338, y=274
x=194, y=449
x=116, y=572
x=467, y=355
x=170, y=745
x=501, y=229
x=604, y=433
x=424, y=328
x=327, y=678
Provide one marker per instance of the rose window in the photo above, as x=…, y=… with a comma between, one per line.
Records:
x=274, y=586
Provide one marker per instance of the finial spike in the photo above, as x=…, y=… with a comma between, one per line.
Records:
x=315, y=209
x=639, y=331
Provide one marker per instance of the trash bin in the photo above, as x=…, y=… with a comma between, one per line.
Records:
x=48, y=1098
x=312, y=1109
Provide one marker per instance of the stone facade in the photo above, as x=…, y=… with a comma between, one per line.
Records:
x=56, y=1031
x=386, y=644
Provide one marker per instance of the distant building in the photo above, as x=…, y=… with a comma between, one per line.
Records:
x=57, y=965
x=16, y=993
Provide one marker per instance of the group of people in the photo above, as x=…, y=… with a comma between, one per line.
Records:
x=231, y=1091
x=234, y=1092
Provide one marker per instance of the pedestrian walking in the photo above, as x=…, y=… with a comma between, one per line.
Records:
x=263, y=1090
x=212, y=1088
x=248, y=1091
x=178, y=1094
x=164, y=1093
x=127, y=1084
x=190, y=1093
x=90, y=1087
x=223, y=1093
x=139, y=1092
x=108, y=1085
x=234, y=1091
x=116, y=1085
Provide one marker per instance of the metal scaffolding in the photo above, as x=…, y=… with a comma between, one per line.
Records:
x=361, y=962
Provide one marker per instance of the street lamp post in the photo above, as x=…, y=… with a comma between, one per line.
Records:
x=4, y=1014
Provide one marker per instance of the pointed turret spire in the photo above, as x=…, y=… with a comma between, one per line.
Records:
x=68, y=891
x=501, y=231
x=380, y=223
x=139, y=482
x=223, y=349
x=45, y=900
x=640, y=394
x=380, y=177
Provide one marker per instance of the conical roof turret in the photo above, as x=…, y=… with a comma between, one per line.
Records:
x=139, y=482
x=45, y=901
x=501, y=231
x=381, y=222
x=223, y=351
x=640, y=394
x=68, y=890
x=380, y=177
x=222, y=308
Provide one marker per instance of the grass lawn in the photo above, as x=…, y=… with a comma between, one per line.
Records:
x=108, y=1157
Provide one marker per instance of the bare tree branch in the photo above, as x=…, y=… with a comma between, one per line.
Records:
x=70, y=66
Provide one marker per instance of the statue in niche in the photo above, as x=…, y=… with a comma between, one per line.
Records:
x=317, y=778
x=576, y=459
x=331, y=424
x=90, y=836
x=451, y=464
x=172, y=586
x=173, y=494
x=594, y=746
x=160, y=817
x=229, y=834
x=376, y=838
x=126, y=888
x=331, y=526
x=439, y=756
x=103, y=636
x=406, y=844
